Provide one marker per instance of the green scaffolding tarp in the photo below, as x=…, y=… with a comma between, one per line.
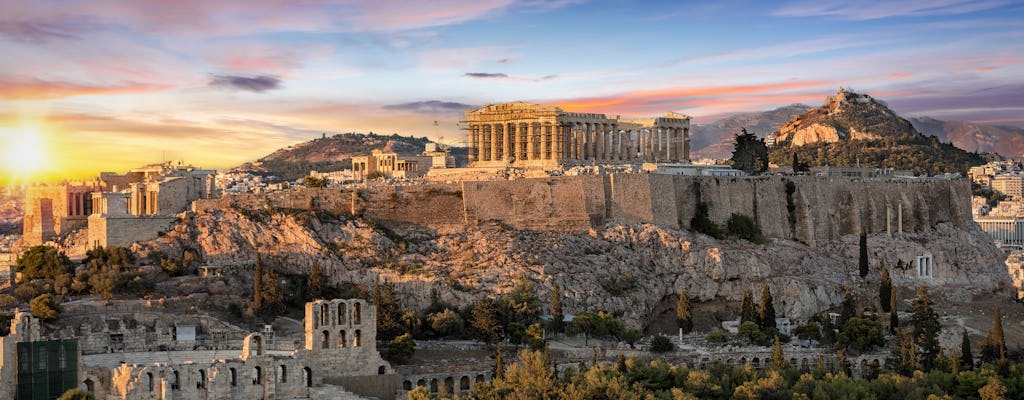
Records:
x=46, y=369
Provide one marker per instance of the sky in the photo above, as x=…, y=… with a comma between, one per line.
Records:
x=106, y=85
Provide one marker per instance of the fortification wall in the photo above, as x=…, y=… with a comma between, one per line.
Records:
x=812, y=210
x=106, y=231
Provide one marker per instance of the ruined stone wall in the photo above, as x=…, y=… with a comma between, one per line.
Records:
x=107, y=231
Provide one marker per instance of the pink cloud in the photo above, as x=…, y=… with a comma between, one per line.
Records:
x=900, y=75
x=35, y=89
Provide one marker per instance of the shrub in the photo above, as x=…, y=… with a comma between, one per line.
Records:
x=703, y=224
x=45, y=307
x=662, y=344
x=744, y=227
x=717, y=336
x=401, y=348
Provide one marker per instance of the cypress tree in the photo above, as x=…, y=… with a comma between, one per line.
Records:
x=894, y=318
x=925, y=323
x=748, y=310
x=995, y=346
x=315, y=283
x=257, y=285
x=778, y=359
x=966, y=358
x=767, y=312
x=556, y=309
x=684, y=317
x=885, y=290
x=849, y=307
x=863, y=253
x=499, y=363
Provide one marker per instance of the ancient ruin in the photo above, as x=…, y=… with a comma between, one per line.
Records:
x=530, y=135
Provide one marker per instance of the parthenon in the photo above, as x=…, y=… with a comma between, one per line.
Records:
x=530, y=135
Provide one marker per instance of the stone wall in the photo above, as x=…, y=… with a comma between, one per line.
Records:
x=110, y=231
x=811, y=210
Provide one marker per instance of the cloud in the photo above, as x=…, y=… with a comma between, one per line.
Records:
x=868, y=9
x=259, y=83
x=494, y=75
x=431, y=107
x=37, y=89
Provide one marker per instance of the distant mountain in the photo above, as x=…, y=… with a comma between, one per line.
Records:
x=853, y=129
x=334, y=153
x=715, y=139
x=1008, y=141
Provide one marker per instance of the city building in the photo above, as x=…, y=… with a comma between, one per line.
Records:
x=386, y=163
x=530, y=135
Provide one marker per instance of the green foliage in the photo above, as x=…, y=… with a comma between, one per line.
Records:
x=916, y=153
x=994, y=348
x=314, y=182
x=885, y=290
x=966, y=355
x=778, y=358
x=808, y=331
x=401, y=348
x=748, y=309
x=597, y=325
x=557, y=317
x=703, y=224
x=620, y=286
x=863, y=258
x=42, y=262
x=257, y=284
x=630, y=336
x=766, y=314
x=894, y=316
x=485, y=321
x=753, y=333
x=925, y=325
x=446, y=323
x=315, y=283
x=749, y=153
x=389, y=315
x=661, y=344
x=684, y=316
x=744, y=227
x=45, y=307
x=717, y=336
x=76, y=394
x=992, y=197
x=861, y=334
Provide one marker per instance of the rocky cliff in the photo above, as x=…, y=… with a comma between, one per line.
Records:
x=622, y=259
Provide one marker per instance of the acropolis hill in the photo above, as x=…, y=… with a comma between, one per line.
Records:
x=467, y=239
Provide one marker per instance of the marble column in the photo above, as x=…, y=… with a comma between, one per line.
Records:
x=686, y=144
x=473, y=150
x=495, y=148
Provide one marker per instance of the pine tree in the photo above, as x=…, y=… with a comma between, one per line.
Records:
x=966, y=358
x=767, y=312
x=749, y=153
x=828, y=330
x=257, y=285
x=885, y=290
x=925, y=323
x=778, y=359
x=894, y=316
x=389, y=316
x=557, y=318
x=271, y=296
x=748, y=310
x=684, y=316
x=863, y=253
x=315, y=283
x=848, y=309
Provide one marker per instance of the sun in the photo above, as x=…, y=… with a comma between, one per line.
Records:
x=23, y=151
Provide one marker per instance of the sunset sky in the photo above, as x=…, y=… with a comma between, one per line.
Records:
x=91, y=85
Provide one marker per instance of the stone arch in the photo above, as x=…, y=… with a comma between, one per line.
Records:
x=149, y=382
x=743, y=360
x=234, y=377
x=201, y=382
x=325, y=339
x=357, y=313
x=381, y=370
x=356, y=338
x=407, y=385
x=479, y=378
x=342, y=306
x=257, y=375
x=464, y=383
x=89, y=385
x=433, y=385
x=175, y=383
x=341, y=339
x=323, y=314
x=307, y=375
x=792, y=362
x=756, y=361
x=283, y=373
x=449, y=385
x=258, y=340
x=421, y=382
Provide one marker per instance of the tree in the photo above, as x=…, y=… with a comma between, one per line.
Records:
x=808, y=331
x=966, y=356
x=995, y=345
x=994, y=390
x=894, y=315
x=925, y=324
x=42, y=262
x=749, y=153
x=778, y=359
x=272, y=298
x=446, y=322
x=401, y=348
x=485, y=321
x=861, y=334
x=499, y=362
x=315, y=283
x=257, y=284
x=748, y=309
x=557, y=318
x=863, y=252
x=905, y=352
x=684, y=317
x=848, y=309
x=662, y=344
x=744, y=227
x=76, y=394
x=885, y=290
x=314, y=182
x=798, y=166
x=45, y=307
x=389, y=324
x=766, y=316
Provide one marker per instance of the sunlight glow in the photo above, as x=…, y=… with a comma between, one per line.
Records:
x=23, y=151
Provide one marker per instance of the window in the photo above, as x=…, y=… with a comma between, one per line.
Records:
x=174, y=380
x=325, y=342
x=357, y=314
x=201, y=382
x=307, y=376
x=234, y=377
x=257, y=375
x=341, y=313
x=149, y=381
x=355, y=339
x=341, y=339
x=284, y=373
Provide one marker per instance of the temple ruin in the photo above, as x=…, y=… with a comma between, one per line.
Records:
x=539, y=136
